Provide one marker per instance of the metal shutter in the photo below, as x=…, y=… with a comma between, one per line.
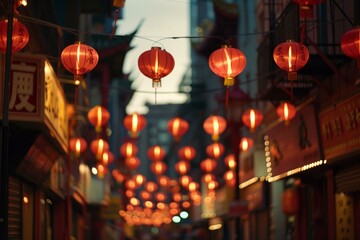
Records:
x=14, y=209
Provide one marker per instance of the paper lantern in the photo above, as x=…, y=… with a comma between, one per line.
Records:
x=156, y=64
x=187, y=153
x=102, y=170
x=139, y=179
x=160, y=197
x=178, y=127
x=208, y=177
x=212, y=185
x=229, y=177
x=130, y=184
x=98, y=116
x=98, y=147
x=230, y=161
x=215, y=150
x=252, y=118
x=208, y=165
x=286, y=111
x=145, y=195
x=107, y=158
x=134, y=123
x=214, y=125
x=246, y=143
x=118, y=176
x=193, y=186
x=20, y=36
x=350, y=44
x=163, y=181
x=227, y=62
x=79, y=59
x=151, y=186
x=128, y=149
x=156, y=153
x=132, y=163
x=185, y=180
x=158, y=167
x=291, y=56
x=290, y=201
x=77, y=145
x=182, y=167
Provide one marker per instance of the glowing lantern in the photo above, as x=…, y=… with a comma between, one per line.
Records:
x=160, y=197
x=79, y=59
x=252, y=118
x=98, y=147
x=193, y=186
x=246, y=143
x=350, y=44
x=128, y=149
x=185, y=180
x=145, y=195
x=230, y=161
x=151, y=186
x=156, y=153
x=291, y=56
x=20, y=36
x=118, y=176
x=227, y=62
x=77, y=145
x=290, y=201
x=188, y=153
x=212, y=184
x=182, y=167
x=156, y=64
x=130, y=184
x=208, y=177
x=178, y=127
x=229, y=177
x=286, y=111
x=132, y=163
x=98, y=116
x=101, y=170
x=139, y=179
x=158, y=167
x=215, y=150
x=163, y=181
x=107, y=158
x=208, y=165
x=134, y=123
x=214, y=126
x=177, y=197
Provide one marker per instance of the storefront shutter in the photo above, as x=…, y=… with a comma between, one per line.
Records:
x=14, y=211
x=348, y=179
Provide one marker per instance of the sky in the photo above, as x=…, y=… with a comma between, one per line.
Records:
x=162, y=20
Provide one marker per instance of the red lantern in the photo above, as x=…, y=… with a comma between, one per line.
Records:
x=151, y=186
x=188, y=153
x=178, y=127
x=230, y=161
x=134, y=123
x=160, y=197
x=306, y=7
x=193, y=186
x=290, y=201
x=77, y=145
x=212, y=184
x=252, y=118
x=227, y=62
x=350, y=44
x=214, y=126
x=79, y=59
x=164, y=181
x=139, y=179
x=118, y=176
x=107, y=158
x=229, y=177
x=20, y=36
x=132, y=163
x=158, y=167
x=185, y=180
x=246, y=143
x=156, y=153
x=128, y=149
x=215, y=150
x=145, y=195
x=208, y=177
x=101, y=170
x=156, y=64
x=291, y=56
x=98, y=116
x=98, y=147
x=182, y=167
x=286, y=111
x=208, y=165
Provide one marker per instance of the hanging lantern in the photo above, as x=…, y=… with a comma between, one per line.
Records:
x=208, y=177
x=182, y=167
x=98, y=116
x=214, y=125
x=291, y=56
x=215, y=150
x=156, y=64
x=139, y=179
x=107, y=158
x=20, y=36
x=134, y=123
x=151, y=186
x=158, y=167
x=101, y=170
x=79, y=59
x=156, y=153
x=193, y=186
x=98, y=147
x=212, y=185
x=185, y=180
x=246, y=143
x=187, y=152
x=132, y=163
x=145, y=195
x=208, y=165
x=227, y=62
x=230, y=161
x=118, y=176
x=160, y=197
x=77, y=145
x=178, y=127
x=229, y=177
x=130, y=184
x=286, y=111
x=350, y=44
x=177, y=197
x=163, y=181
x=252, y=118
x=128, y=149
x=290, y=201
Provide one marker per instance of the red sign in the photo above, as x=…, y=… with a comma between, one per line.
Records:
x=238, y=208
x=340, y=128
